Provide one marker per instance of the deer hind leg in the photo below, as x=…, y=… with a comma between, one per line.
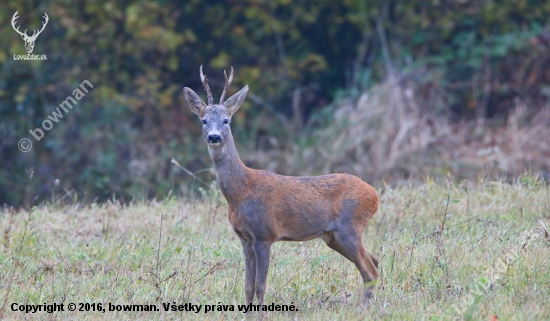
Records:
x=374, y=260
x=351, y=247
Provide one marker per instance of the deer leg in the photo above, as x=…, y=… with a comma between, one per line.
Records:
x=372, y=270
x=250, y=267
x=351, y=247
x=262, y=250
x=374, y=260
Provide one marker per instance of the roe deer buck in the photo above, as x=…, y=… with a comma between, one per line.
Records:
x=265, y=207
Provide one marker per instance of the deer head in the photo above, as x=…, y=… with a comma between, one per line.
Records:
x=29, y=40
x=215, y=117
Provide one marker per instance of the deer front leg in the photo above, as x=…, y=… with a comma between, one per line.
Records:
x=250, y=267
x=262, y=250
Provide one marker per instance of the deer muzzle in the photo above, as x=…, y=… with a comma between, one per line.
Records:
x=214, y=139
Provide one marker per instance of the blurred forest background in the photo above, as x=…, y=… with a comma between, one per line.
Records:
x=386, y=90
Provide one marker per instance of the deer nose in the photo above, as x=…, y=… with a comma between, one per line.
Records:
x=214, y=138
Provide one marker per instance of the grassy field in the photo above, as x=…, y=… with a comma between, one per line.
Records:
x=492, y=258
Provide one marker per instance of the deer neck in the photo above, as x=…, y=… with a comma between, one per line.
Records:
x=230, y=170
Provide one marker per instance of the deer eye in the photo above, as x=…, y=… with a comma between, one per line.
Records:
x=226, y=121
x=204, y=121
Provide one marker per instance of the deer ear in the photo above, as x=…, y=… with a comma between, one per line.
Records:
x=234, y=102
x=194, y=101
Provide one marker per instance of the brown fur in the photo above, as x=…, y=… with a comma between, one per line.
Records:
x=265, y=207
x=300, y=208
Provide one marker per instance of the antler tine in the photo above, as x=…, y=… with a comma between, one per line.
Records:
x=44, y=23
x=13, y=23
x=14, y=17
x=227, y=83
x=206, y=88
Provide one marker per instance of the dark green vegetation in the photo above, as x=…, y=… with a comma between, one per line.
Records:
x=442, y=62
x=490, y=259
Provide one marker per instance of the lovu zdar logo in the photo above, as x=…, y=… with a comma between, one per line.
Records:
x=29, y=40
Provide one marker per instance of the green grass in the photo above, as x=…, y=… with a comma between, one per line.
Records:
x=110, y=254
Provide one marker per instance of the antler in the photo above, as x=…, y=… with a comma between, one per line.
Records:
x=13, y=25
x=43, y=26
x=34, y=34
x=227, y=83
x=206, y=88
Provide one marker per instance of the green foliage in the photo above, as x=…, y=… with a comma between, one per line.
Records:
x=119, y=139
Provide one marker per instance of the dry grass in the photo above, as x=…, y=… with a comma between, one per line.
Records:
x=392, y=132
x=118, y=254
